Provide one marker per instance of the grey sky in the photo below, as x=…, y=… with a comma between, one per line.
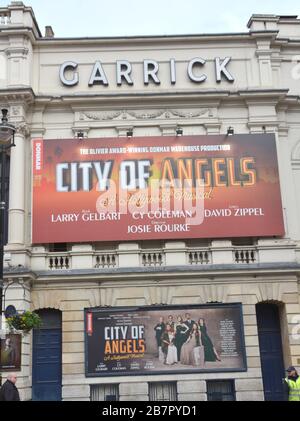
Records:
x=80, y=18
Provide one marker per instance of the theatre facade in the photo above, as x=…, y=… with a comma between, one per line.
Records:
x=153, y=211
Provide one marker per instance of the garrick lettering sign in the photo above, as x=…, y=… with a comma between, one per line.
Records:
x=69, y=72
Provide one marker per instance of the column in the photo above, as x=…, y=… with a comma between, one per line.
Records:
x=263, y=53
x=16, y=227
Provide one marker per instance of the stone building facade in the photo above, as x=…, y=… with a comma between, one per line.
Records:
x=46, y=100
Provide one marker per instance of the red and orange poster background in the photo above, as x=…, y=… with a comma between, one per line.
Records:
x=53, y=210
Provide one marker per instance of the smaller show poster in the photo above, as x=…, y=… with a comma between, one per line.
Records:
x=11, y=352
x=164, y=339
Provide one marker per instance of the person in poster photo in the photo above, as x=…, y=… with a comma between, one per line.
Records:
x=210, y=352
x=189, y=323
x=171, y=322
x=159, y=330
x=168, y=346
x=181, y=331
x=8, y=353
x=192, y=352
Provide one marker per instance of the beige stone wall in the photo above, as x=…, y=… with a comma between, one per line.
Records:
x=73, y=299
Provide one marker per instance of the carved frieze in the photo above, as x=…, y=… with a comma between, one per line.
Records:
x=161, y=114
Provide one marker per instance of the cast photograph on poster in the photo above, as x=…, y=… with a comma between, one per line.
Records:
x=11, y=352
x=165, y=339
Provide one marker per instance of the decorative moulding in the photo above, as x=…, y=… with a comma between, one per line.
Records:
x=145, y=115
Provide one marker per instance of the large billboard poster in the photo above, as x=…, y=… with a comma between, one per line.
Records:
x=169, y=339
x=141, y=188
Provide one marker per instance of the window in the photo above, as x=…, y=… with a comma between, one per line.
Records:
x=5, y=196
x=163, y=391
x=58, y=248
x=104, y=392
x=243, y=241
x=220, y=390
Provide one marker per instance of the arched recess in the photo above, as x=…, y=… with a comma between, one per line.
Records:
x=271, y=322
x=295, y=156
x=47, y=357
x=41, y=299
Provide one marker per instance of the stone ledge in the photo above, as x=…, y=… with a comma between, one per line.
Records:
x=235, y=268
x=79, y=378
x=138, y=398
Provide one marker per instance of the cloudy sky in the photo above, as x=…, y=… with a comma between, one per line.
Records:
x=80, y=18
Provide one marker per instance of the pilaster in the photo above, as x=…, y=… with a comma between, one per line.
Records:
x=16, y=231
